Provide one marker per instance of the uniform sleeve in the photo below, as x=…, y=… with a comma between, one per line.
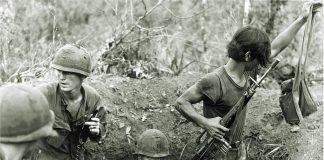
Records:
x=210, y=86
x=103, y=116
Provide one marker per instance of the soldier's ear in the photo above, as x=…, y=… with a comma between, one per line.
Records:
x=82, y=77
x=247, y=56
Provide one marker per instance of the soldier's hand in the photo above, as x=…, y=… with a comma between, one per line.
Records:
x=94, y=126
x=306, y=7
x=215, y=129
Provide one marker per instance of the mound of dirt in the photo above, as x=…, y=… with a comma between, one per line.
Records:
x=269, y=135
x=142, y=104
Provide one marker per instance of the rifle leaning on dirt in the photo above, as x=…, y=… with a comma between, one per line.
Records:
x=85, y=131
x=212, y=144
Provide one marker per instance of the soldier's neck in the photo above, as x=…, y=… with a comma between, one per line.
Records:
x=236, y=71
x=235, y=68
x=12, y=151
x=74, y=94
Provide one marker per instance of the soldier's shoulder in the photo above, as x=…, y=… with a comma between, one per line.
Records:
x=90, y=90
x=214, y=74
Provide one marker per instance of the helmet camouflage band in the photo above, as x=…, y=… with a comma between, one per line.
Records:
x=74, y=59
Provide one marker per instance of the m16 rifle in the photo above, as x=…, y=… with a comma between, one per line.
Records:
x=210, y=144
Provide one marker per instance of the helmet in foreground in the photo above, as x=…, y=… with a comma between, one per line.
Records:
x=152, y=143
x=24, y=114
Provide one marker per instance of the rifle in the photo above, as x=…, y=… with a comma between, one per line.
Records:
x=85, y=131
x=211, y=144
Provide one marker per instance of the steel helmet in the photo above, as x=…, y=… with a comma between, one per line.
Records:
x=24, y=114
x=74, y=59
x=152, y=143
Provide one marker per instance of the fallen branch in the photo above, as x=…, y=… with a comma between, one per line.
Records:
x=248, y=146
x=274, y=150
x=274, y=145
x=183, y=149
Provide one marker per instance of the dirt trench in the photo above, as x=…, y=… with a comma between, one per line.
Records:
x=144, y=104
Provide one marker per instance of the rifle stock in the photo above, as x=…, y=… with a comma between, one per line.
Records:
x=207, y=145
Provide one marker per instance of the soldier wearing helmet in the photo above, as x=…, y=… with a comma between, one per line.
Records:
x=73, y=103
x=152, y=145
x=25, y=117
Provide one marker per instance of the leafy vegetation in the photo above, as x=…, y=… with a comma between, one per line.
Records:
x=145, y=38
x=137, y=38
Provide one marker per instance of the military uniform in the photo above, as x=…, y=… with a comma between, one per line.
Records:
x=69, y=122
x=71, y=60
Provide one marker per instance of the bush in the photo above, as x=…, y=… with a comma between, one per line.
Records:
x=124, y=37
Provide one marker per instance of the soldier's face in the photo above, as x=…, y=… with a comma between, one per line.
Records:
x=254, y=64
x=68, y=81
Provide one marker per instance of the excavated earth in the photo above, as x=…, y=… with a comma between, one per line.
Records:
x=140, y=104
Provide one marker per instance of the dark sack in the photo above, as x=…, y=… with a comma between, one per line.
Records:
x=306, y=101
x=306, y=104
x=287, y=104
x=296, y=100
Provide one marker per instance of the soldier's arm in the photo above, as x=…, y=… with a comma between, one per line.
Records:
x=285, y=37
x=184, y=105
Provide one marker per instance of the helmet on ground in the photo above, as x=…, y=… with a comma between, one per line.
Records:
x=74, y=59
x=24, y=114
x=152, y=143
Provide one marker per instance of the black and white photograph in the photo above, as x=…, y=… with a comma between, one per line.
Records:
x=161, y=79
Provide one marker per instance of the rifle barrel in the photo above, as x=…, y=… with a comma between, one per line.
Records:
x=226, y=118
x=273, y=65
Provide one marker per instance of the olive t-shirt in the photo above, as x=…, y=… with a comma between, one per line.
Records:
x=221, y=94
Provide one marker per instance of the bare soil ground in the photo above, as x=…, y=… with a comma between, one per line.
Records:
x=143, y=104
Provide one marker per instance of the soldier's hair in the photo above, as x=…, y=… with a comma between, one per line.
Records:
x=250, y=39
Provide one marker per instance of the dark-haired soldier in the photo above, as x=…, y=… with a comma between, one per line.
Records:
x=221, y=89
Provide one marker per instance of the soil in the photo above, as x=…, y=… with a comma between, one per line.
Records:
x=142, y=104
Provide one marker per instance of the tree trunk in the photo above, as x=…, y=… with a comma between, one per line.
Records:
x=275, y=6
